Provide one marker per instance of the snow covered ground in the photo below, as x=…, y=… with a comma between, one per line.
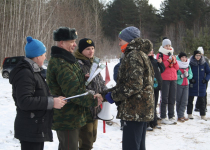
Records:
x=191, y=135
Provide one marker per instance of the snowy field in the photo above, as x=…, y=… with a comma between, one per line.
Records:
x=191, y=135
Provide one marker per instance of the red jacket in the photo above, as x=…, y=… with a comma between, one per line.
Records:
x=169, y=73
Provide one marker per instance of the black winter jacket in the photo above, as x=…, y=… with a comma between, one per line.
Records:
x=33, y=103
x=158, y=69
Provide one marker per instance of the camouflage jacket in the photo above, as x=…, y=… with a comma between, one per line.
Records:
x=134, y=88
x=65, y=78
x=97, y=84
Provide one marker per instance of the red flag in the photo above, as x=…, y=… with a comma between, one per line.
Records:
x=107, y=77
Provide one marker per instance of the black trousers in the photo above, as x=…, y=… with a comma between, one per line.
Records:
x=31, y=145
x=154, y=122
x=134, y=135
x=197, y=102
x=201, y=105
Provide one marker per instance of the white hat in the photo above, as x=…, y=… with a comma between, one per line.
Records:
x=201, y=50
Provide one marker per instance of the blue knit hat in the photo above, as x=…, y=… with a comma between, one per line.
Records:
x=129, y=33
x=34, y=47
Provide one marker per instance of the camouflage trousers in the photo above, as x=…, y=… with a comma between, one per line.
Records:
x=87, y=135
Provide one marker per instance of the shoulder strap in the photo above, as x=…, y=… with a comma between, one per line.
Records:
x=161, y=55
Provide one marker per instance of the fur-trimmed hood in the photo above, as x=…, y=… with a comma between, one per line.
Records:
x=196, y=62
x=139, y=44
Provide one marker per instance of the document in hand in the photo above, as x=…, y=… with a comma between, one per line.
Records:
x=75, y=96
x=95, y=70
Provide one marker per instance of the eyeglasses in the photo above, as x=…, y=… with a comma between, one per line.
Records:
x=197, y=55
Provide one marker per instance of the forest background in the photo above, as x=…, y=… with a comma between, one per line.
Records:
x=185, y=22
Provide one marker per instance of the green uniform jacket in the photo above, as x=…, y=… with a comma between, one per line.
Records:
x=65, y=78
x=134, y=89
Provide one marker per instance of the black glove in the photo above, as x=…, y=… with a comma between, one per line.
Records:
x=204, y=81
x=117, y=103
x=192, y=81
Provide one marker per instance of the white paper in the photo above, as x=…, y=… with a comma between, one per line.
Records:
x=101, y=67
x=94, y=66
x=76, y=96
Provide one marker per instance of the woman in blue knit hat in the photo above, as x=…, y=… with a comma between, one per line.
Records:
x=34, y=103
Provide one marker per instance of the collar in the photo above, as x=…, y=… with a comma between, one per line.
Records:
x=62, y=53
x=80, y=56
x=35, y=67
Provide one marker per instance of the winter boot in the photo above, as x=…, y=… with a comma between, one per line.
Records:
x=204, y=118
x=149, y=129
x=190, y=116
x=173, y=120
x=181, y=120
x=166, y=121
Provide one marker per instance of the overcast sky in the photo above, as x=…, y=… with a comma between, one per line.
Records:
x=155, y=3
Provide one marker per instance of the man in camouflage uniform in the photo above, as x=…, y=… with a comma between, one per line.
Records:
x=85, y=55
x=65, y=78
x=133, y=92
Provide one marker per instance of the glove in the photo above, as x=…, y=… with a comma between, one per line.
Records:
x=204, y=81
x=186, y=73
x=117, y=103
x=109, y=98
x=182, y=76
x=192, y=81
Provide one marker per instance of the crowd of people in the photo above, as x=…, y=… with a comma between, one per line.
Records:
x=42, y=106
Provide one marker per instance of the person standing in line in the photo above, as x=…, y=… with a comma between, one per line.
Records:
x=34, y=104
x=184, y=74
x=159, y=68
x=84, y=55
x=134, y=89
x=65, y=77
x=169, y=85
x=207, y=60
x=201, y=76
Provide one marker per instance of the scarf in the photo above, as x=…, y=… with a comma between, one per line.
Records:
x=123, y=48
x=80, y=56
x=183, y=65
x=165, y=51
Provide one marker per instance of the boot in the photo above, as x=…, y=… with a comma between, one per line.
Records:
x=190, y=116
x=204, y=118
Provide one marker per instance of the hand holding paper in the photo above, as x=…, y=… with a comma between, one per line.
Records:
x=99, y=98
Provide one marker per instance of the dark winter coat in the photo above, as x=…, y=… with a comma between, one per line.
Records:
x=135, y=81
x=116, y=68
x=97, y=84
x=33, y=103
x=66, y=78
x=158, y=69
x=201, y=71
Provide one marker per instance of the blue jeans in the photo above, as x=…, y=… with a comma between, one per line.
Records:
x=134, y=135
